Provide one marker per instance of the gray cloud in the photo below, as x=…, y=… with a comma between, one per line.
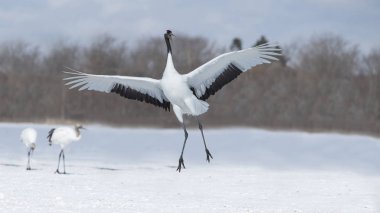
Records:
x=44, y=21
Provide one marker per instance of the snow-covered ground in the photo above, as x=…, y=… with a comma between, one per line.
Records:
x=133, y=170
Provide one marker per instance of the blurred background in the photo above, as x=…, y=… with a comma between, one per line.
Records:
x=327, y=80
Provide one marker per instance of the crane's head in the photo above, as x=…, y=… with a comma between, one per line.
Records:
x=168, y=34
x=32, y=146
x=79, y=126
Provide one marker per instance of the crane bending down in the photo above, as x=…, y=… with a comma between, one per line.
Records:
x=28, y=137
x=63, y=136
x=186, y=93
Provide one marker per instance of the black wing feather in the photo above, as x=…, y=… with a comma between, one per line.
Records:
x=230, y=73
x=136, y=95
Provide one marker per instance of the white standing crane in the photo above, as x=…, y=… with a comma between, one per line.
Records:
x=186, y=93
x=28, y=137
x=63, y=136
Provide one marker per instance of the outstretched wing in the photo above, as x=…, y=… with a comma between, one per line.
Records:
x=136, y=88
x=213, y=75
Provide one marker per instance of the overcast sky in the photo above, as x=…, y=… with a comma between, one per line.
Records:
x=43, y=22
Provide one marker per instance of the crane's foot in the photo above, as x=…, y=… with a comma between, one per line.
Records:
x=61, y=173
x=208, y=155
x=28, y=168
x=180, y=164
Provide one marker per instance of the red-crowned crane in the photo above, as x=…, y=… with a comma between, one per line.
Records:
x=28, y=136
x=64, y=136
x=186, y=93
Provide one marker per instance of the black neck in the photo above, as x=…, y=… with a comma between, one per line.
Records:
x=168, y=45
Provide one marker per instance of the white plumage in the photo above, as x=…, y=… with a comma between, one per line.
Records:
x=204, y=76
x=63, y=136
x=186, y=93
x=104, y=83
x=28, y=136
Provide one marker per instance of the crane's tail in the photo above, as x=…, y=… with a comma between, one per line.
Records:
x=196, y=106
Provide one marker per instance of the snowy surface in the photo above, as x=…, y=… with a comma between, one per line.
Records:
x=133, y=170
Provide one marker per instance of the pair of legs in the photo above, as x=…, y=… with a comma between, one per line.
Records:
x=181, y=163
x=59, y=160
x=29, y=154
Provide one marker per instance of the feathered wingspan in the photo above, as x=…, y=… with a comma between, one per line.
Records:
x=136, y=88
x=213, y=75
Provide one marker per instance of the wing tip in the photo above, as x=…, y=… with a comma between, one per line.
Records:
x=72, y=71
x=270, y=46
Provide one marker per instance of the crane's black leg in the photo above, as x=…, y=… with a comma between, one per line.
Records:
x=180, y=162
x=28, y=166
x=63, y=158
x=204, y=141
x=59, y=159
